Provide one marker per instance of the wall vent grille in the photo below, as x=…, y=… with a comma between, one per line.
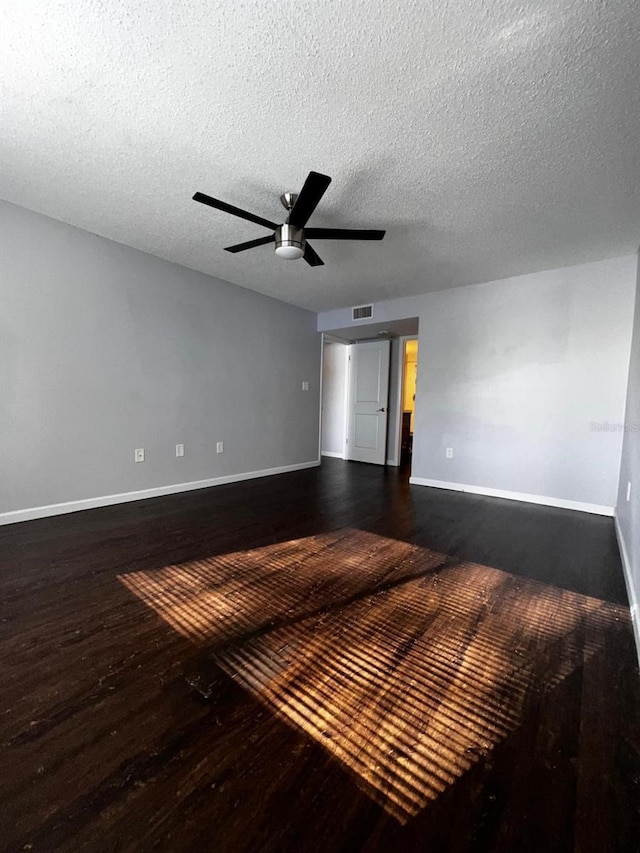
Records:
x=362, y=312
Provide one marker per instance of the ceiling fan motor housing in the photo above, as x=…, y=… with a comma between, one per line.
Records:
x=289, y=241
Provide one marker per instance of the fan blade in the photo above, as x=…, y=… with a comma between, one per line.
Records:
x=312, y=257
x=343, y=234
x=314, y=188
x=234, y=211
x=251, y=244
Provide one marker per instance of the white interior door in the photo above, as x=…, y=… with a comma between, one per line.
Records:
x=368, y=402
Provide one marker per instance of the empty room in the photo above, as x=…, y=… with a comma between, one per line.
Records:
x=320, y=426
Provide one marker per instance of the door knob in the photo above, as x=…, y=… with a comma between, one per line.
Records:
x=381, y=410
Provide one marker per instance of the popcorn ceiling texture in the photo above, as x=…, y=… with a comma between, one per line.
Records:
x=490, y=138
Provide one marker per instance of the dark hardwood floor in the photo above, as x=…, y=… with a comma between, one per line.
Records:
x=329, y=660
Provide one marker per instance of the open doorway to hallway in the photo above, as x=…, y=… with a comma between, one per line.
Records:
x=409, y=358
x=343, y=421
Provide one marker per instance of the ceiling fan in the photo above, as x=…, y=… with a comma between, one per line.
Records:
x=291, y=237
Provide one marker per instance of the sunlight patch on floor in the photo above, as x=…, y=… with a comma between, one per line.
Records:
x=405, y=665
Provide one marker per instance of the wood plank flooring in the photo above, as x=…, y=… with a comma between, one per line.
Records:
x=327, y=660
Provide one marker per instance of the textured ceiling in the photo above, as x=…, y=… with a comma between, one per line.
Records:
x=490, y=138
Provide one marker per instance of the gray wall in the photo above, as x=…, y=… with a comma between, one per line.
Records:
x=334, y=379
x=628, y=512
x=513, y=374
x=105, y=349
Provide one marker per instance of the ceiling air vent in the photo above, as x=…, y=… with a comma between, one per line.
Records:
x=362, y=312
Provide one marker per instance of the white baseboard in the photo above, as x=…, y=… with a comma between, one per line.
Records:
x=159, y=491
x=332, y=454
x=514, y=496
x=631, y=590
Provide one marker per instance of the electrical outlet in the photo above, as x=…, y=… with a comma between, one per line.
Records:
x=179, y=449
x=219, y=447
x=629, y=490
x=305, y=386
x=449, y=453
x=139, y=454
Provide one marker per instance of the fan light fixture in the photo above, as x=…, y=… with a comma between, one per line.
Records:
x=291, y=253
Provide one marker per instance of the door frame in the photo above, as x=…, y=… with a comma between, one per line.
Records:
x=345, y=423
x=401, y=359
x=321, y=395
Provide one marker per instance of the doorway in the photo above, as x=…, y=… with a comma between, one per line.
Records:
x=336, y=421
x=409, y=366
